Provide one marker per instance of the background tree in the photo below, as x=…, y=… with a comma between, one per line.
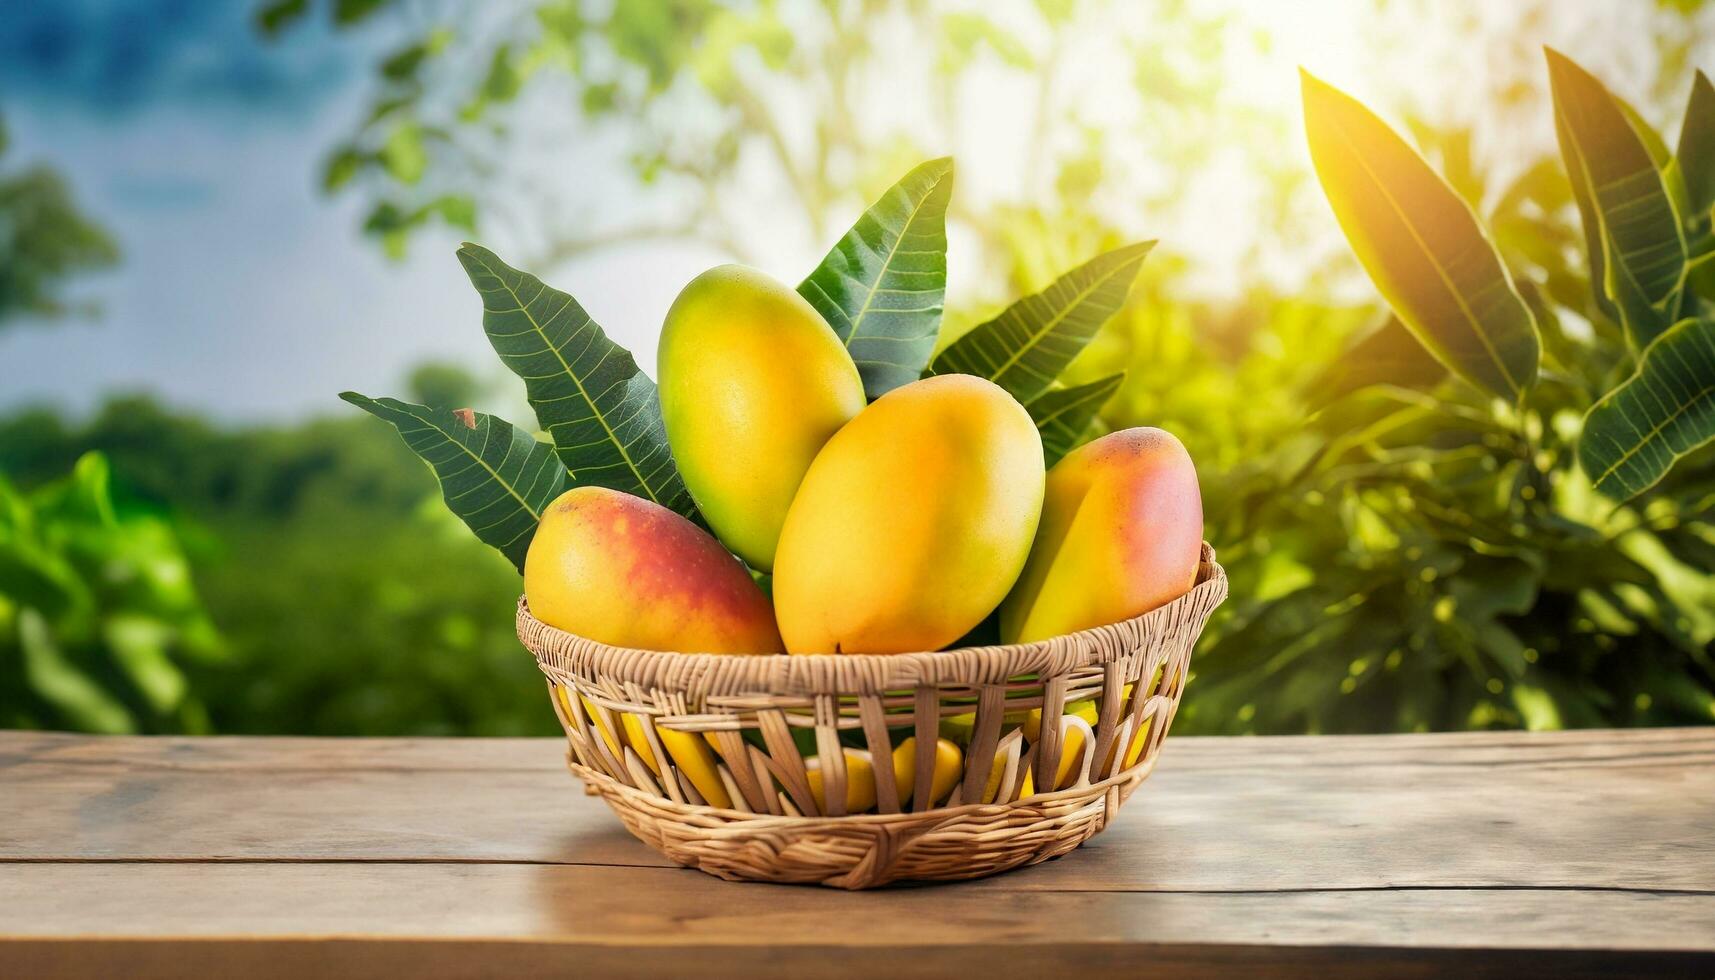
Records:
x=45, y=240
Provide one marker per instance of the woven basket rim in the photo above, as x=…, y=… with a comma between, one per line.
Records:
x=853, y=673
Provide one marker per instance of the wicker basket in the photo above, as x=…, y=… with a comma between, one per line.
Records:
x=659, y=734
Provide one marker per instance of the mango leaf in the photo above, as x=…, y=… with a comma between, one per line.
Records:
x=1695, y=156
x=1024, y=348
x=882, y=287
x=589, y=395
x=495, y=477
x=1642, y=242
x=1063, y=415
x=1633, y=436
x=1588, y=218
x=1421, y=245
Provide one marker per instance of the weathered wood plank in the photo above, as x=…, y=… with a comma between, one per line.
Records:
x=660, y=906
x=1577, y=809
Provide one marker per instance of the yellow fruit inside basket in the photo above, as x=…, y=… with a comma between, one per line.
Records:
x=949, y=761
x=860, y=781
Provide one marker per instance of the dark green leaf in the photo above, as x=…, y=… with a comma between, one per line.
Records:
x=1589, y=219
x=1024, y=348
x=348, y=12
x=1063, y=415
x=495, y=477
x=1421, y=245
x=276, y=16
x=1696, y=154
x=883, y=286
x=1667, y=409
x=1643, y=244
x=601, y=411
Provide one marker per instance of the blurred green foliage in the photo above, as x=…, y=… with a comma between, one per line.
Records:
x=348, y=600
x=99, y=619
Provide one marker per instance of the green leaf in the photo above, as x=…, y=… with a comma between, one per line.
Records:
x=601, y=411
x=1633, y=436
x=1642, y=242
x=139, y=645
x=1063, y=415
x=1024, y=348
x=60, y=683
x=495, y=477
x=1421, y=245
x=1696, y=153
x=882, y=287
x=277, y=15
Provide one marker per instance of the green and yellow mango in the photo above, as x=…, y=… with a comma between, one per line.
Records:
x=753, y=382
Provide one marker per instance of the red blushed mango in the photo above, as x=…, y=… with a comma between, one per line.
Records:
x=627, y=572
x=1121, y=533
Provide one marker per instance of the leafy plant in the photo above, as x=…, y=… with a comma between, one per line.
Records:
x=98, y=616
x=1429, y=555
x=880, y=290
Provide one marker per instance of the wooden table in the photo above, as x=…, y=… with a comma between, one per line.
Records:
x=1575, y=853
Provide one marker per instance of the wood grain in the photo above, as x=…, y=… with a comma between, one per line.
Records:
x=1489, y=854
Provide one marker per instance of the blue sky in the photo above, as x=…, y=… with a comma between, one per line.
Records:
x=242, y=291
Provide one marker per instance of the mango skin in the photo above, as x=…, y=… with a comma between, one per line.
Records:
x=753, y=382
x=1121, y=533
x=628, y=572
x=912, y=523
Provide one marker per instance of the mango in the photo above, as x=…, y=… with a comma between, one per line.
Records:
x=1082, y=709
x=697, y=761
x=860, y=781
x=1075, y=735
x=627, y=572
x=753, y=382
x=949, y=764
x=690, y=753
x=1121, y=533
x=912, y=522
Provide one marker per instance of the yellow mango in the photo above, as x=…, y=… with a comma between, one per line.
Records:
x=1074, y=735
x=1121, y=533
x=860, y=781
x=912, y=522
x=627, y=572
x=697, y=761
x=991, y=786
x=600, y=726
x=753, y=381
x=1082, y=709
x=639, y=741
x=949, y=762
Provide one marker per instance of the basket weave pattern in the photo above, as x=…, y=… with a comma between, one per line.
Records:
x=778, y=829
